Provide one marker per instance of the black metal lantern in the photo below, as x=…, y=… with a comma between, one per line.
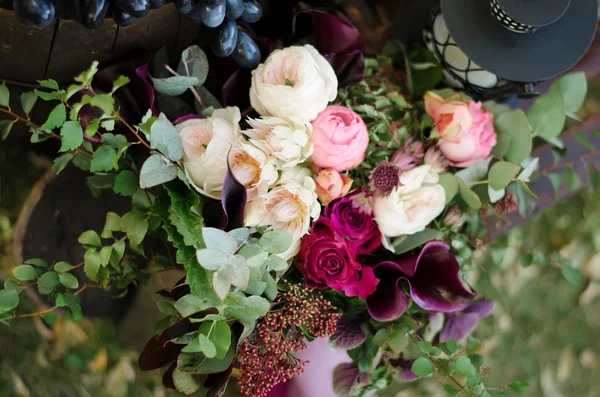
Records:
x=498, y=47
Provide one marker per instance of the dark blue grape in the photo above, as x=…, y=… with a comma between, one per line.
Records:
x=157, y=3
x=235, y=8
x=213, y=3
x=212, y=16
x=134, y=8
x=89, y=13
x=225, y=40
x=246, y=53
x=252, y=12
x=35, y=12
x=122, y=18
x=185, y=6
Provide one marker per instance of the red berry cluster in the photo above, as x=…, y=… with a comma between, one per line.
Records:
x=268, y=355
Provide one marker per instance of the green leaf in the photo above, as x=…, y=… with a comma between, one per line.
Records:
x=114, y=140
x=422, y=367
x=72, y=136
x=407, y=243
x=593, y=178
x=185, y=383
x=572, y=179
x=398, y=340
x=194, y=63
x=277, y=263
x=50, y=318
x=582, y=138
x=556, y=179
x=450, y=185
x=166, y=307
x=199, y=364
x=547, y=116
x=47, y=282
x=90, y=239
x=9, y=299
x=381, y=336
x=451, y=345
x=186, y=213
x=502, y=173
x=515, y=125
x=61, y=162
x=240, y=235
x=113, y=222
x=36, y=262
x=103, y=101
x=451, y=390
x=68, y=280
x=25, y=273
x=425, y=346
x=271, y=290
x=28, y=100
x=50, y=83
x=191, y=304
x=219, y=240
x=135, y=225
x=156, y=171
x=468, y=196
x=207, y=347
x=102, y=159
x=573, y=275
x=222, y=281
x=219, y=334
x=4, y=95
x=56, y=118
x=126, y=183
x=92, y=128
x=257, y=260
x=117, y=252
x=165, y=138
x=573, y=88
x=82, y=161
x=463, y=366
x=213, y=259
x=62, y=267
x=275, y=242
x=105, y=255
x=246, y=309
x=5, y=127
x=48, y=96
x=92, y=263
x=175, y=85
x=119, y=82
x=519, y=386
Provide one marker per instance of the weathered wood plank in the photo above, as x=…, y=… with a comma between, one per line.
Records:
x=75, y=47
x=155, y=30
x=24, y=50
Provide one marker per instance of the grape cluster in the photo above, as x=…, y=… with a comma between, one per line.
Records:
x=219, y=15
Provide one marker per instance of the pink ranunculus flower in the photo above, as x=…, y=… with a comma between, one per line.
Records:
x=331, y=185
x=466, y=129
x=340, y=138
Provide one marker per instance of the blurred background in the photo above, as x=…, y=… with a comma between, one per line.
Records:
x=544, y=276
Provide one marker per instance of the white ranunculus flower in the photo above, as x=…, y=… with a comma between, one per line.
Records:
x=408, y=209
x=293, y=82
x=297, y=173
x=206, y=143
x=286, y=140
x=288, y=207
x=253, y=168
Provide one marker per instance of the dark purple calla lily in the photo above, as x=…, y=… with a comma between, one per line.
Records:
x=460, y=325
x=339, y=41
x=433, y=280
x=404, y=366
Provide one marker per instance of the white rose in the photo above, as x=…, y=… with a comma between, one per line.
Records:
x=206, y=143
x=289, y=207
x=286, y=140
x=409, y=208
x=293, y=82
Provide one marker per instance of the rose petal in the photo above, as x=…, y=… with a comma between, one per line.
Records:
x=436, y=285
x=363, y=287
x=388, y=302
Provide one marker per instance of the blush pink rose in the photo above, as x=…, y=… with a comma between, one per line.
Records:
x=331, y=185
x=340, y=138
x=468, y=139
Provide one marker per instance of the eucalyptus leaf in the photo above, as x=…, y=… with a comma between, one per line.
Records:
x=246, y=309
x=277, y=263
x=175, y=85
x=257, y=260
x=547, y=115
x=241, y=272
x=213, y=259
x=468, y=196
x=240, y=235
x=573, y=88
x=222, y=279
x=276, y=242
x=219, y=240
x=515, y=125
x=165, y=138
x=407, y=243
x=194, y=63
x=156, y=171
x=502, y=173
x=450, y=185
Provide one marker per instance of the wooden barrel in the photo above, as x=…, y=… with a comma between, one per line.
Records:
x=65, y=48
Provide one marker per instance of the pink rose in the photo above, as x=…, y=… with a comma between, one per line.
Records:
x=340, y=139
x=467, y=139
x=451, y=116
x=331, y=185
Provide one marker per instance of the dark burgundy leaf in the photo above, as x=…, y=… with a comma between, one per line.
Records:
x=345, y=377
x=167, y=377
x=216, y=383
x=348, y=66
x=233, y=201
x=348, y=334
x=186, y=118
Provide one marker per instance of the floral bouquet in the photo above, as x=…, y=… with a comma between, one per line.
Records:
x=347, y=206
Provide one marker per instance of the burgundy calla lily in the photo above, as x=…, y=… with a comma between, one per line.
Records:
x=460, y=325
x=339, y=41
x=433, y=279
